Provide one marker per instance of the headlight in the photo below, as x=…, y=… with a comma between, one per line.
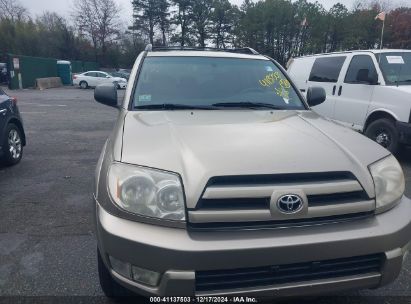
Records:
x=389, y=182
x=147, y=192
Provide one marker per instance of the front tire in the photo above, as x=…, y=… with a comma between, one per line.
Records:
x=110, y=287
x=383, y=132
x=12, y=145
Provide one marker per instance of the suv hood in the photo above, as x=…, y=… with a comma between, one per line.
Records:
x=201, y=144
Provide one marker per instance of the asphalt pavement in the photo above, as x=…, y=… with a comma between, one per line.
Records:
x=47, y=243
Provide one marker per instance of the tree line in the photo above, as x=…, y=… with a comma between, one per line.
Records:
x=97, y=30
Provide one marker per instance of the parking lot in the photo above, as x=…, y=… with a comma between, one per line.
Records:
x=47, y=243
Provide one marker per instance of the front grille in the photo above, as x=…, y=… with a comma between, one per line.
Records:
x=336, y=198
x=234, y=203
x=238, y=202
x=216, y=280
x=241, y=180
x=256, y=225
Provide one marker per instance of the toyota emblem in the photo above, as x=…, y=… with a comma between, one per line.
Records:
x=290, y=203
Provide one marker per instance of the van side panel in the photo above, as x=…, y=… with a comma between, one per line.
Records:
x=300, y=70
x=393, y=100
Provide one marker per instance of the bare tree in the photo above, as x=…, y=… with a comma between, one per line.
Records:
x=99, y=20
x=13, y=10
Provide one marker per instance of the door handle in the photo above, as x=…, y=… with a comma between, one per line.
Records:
x=334, y=88
x=340, y=91
x=302, y=90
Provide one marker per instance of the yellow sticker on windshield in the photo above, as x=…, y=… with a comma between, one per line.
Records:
x=270, y=79
x=280, y=85
x=283, y=93
x=285, y=84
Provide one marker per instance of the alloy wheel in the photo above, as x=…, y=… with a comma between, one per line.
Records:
x=383, y=138
x=15, y=146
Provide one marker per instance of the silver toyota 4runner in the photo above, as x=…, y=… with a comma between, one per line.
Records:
x=218, y=179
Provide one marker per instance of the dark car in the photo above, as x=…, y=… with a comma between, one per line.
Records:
x=12, y=136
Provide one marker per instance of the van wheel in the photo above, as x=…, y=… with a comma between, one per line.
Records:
x=383, y=132
x=13, y=145
x=110, y=287
x=83, y=85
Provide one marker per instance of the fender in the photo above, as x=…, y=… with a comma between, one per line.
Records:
x=381, y=110
x=19, y=123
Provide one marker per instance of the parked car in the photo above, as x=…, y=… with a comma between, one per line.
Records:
x=220, y=180
x=12, y=136
x=94, y=78
x=369, y=91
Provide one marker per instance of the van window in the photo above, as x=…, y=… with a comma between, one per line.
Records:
x=361, y=68
x=327, y=69
x=396, y=67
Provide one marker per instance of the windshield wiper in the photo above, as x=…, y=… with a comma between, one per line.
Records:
x=173, y=106
x=248, y=105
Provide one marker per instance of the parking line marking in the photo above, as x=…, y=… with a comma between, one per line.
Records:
x=33, y=112
x=41, y=105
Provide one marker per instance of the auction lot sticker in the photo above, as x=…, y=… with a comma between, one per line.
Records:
x=395, y=60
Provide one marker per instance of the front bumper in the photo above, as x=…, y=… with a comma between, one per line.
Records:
x=404, y=129
x=178, y=253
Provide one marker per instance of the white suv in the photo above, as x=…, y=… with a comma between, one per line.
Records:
x=369, y=91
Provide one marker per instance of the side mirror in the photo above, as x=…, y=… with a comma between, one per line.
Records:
x=106, y=94
x=108, y=76
x=316, y=96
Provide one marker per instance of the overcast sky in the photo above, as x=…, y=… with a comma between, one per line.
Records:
x=36, y=7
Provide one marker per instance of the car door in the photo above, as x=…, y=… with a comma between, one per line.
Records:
x=326, y=73
x=356, y=91
x=4, y=99
x=91, y=78
x=102, y=78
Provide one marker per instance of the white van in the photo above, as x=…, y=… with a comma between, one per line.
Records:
x=369, y=91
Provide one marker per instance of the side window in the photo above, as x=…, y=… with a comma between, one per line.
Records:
x=361, y=70
x=101, y=75
x=91, y=74
x=327, y=69
x=2, y=92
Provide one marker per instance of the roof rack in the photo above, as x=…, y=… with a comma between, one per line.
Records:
x=245, y=50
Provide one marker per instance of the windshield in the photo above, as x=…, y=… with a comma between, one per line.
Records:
x=396, y=67
x=201, y=82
